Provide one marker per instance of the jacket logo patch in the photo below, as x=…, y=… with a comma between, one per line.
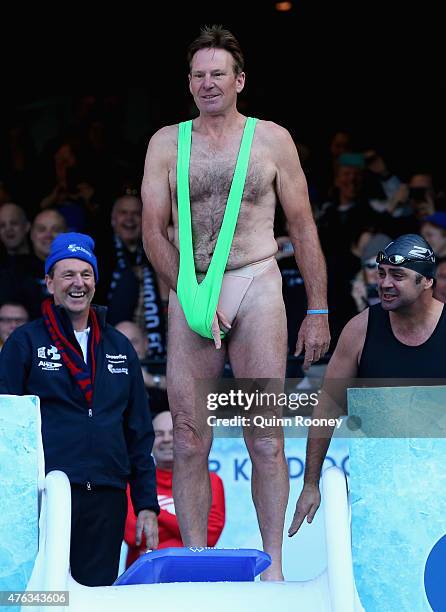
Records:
x=48, y=353
x=114, y=370
x=49, y=366
x=114, y=359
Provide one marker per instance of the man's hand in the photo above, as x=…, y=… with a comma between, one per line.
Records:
x=307, y=505
x=314, y=337
x=147, y=522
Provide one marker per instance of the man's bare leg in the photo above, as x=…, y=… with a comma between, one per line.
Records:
x=190, y=357
x=258, y=349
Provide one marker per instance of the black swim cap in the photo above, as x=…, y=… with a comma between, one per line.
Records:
x=410, y=251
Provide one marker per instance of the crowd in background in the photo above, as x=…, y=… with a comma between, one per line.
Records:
x=87, y=179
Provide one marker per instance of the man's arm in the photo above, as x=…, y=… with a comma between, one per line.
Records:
x=342, y=366
x=157, y=209
x=314, y=334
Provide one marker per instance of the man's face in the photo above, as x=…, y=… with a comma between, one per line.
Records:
x=11, y=316
x=46, y=226
x=348, y=181
x=370, y=268
x=421, y=180
x=440, y=287
x=137, y=339
x=13, y=227
x=126, y=220
x=340, y=143
x=212, y=81
x=398, y=287
x=72, y=285
x=163, y=444
x=435, y=236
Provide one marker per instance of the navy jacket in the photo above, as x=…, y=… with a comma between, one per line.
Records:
x=109, y=444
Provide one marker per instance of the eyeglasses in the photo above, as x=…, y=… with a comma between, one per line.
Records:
x=370, y=265
x=398, y=260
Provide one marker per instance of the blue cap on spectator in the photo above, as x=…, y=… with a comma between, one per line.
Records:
x=438, y=219
x=351, y=159
x=72, y=245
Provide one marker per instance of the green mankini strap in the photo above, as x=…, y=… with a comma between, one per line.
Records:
x=199, y=301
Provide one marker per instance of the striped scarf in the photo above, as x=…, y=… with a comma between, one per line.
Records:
x=72, y=356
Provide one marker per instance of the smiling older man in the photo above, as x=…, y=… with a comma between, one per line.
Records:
x=96, y=424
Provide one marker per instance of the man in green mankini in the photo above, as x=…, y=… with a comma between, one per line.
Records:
x=219, y=178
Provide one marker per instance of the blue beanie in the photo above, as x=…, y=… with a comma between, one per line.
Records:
x=72, y=246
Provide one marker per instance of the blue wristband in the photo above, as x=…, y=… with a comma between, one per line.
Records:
x=318, y=311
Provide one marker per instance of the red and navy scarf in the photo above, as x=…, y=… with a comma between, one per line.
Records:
x=72, y=356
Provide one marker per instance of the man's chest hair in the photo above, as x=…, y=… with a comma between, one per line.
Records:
x=211, y=178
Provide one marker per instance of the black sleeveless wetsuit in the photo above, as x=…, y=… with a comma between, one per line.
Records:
x=384, y=356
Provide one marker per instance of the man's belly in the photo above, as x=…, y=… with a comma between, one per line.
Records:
x=239, y=255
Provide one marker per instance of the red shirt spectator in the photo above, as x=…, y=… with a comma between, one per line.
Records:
x=169, y=531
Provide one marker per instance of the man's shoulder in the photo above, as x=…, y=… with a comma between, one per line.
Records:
x=166, y=134
x=356, y=328
x=163, y=144
x=276, y=139
x=272, y=131
x=354, y=333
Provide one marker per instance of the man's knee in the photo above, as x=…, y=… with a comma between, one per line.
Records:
x=190, y=441
x=265, y=449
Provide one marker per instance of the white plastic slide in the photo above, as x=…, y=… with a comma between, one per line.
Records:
x=333, y=591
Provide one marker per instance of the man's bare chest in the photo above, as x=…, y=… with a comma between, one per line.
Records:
x=211, y=175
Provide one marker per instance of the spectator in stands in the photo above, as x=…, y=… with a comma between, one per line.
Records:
x=380, y=185
x=65, y=155
x=168, y=529
x=12, y=315
x=130, y=286
x=343, y=221
x=45, y=227
x=348, y=210
x=14, y=229
x=440, y=284
x=412, y=202
x=22, y=275
x=339, y=143
x=433, y=229
x=153, y=375
x=365, y=285
x=31, y=288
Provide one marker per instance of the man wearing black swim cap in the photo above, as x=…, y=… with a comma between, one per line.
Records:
x=401, y=338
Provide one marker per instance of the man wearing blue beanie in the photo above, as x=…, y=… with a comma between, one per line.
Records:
x=72, y=246
x=96, y=424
